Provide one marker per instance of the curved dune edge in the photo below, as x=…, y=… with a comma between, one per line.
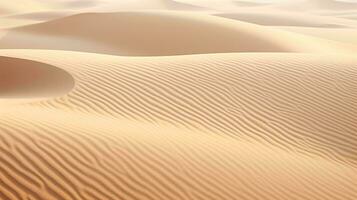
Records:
x=40, y=16
x=218, y=126
x=274, y=18
x=148, y=34
x=114, y=6
x=21, y=78
x=161, y=34
x=314, y=5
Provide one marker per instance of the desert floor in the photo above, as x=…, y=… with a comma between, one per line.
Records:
x=184, y=99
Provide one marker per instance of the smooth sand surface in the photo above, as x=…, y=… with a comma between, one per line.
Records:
x=40, y=16
x=161, y=34
x=317, y=5
x=274, y=18
x=139, y=33
x=149, y=100
x=21, y=78
x=345, y=35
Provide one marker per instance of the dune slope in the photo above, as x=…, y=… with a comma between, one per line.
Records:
x=139, y=33
x=159, y=33
x=23, y=78
x=317, y=5
x=333, y=4
x=224, y=126
x=279, y=19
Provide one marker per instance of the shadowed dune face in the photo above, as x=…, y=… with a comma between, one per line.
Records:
x=29, y=79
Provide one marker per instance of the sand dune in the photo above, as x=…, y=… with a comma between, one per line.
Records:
x=194, y=33
x=318, y=5
x=221, y=5
x=40, y=16
x=3, y=11
x=266, y=110
x=175, y=5
x=345, y=35
x=354, y=17
x=222, y=126
x=333, y=4
x=248, y=4
x=73, y=4
x=22, y=78
x=115, y=6
x=279, y=19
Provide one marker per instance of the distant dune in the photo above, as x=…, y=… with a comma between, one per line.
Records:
x=114, y=6
x=151, y=34
x=75, y=4
x=333, y=4
x=313, y=5
x=249, y=4
x=279, y=19
x=345, y=35
x=175, y=5
x=148, y=33
x=40, y=16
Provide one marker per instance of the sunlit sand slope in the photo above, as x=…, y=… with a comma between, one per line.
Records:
x=345, y=35
x=215, y=126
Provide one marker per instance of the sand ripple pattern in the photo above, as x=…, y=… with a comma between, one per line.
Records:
x=220, y=126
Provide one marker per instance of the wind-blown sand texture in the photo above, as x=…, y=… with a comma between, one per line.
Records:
x=156, y=103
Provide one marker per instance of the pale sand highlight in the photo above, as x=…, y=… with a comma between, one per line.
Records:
x=263, y=112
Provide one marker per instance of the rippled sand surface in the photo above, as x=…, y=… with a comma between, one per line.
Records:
x=164, y=99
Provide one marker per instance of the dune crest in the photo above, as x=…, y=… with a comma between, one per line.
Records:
x=279, y=19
